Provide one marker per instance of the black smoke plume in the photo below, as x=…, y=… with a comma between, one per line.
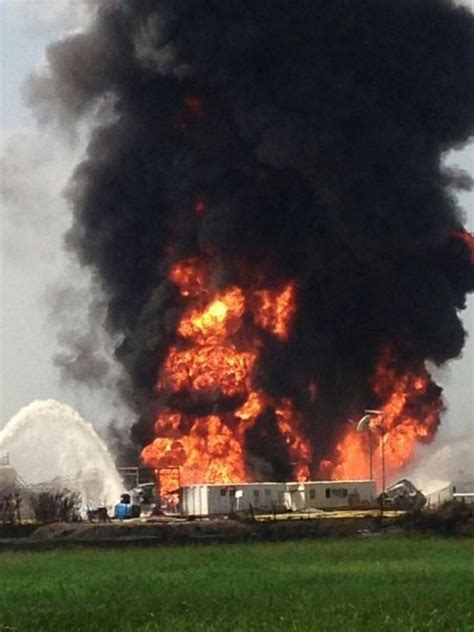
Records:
x=315, y=131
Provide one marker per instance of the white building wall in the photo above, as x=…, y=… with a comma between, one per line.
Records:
x=214, y=499
x=333, y=494
x=295, y=497
x=226, y=498
x=445, y=494
x=194, y=500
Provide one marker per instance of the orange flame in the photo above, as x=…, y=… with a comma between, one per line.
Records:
x=275, y=310
x=189, y=276
x=214, y=357
x=409, y=414
x=216, y=321
x=210, y=452
x=211, y=365
x=299, y=448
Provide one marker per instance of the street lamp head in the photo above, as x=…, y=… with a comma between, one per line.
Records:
x=363, y=424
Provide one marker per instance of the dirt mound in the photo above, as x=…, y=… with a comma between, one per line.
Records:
x=53, y=531
x=157, y=530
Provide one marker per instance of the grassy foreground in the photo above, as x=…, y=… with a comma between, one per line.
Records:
x=347, y=585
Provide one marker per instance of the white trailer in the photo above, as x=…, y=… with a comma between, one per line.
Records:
x=458, y=490
x=216, y=499
x=339, y=494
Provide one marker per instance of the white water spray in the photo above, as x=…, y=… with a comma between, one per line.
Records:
x=49, y=441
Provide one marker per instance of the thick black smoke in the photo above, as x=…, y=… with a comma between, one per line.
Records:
x=315, y=132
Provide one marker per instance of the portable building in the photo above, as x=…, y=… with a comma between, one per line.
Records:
x=216, y=499
x=339, y=494
x=462, y=491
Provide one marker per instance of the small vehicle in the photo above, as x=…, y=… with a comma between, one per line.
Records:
x=403, y=495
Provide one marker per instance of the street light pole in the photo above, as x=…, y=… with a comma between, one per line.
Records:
x=382, y=434
x=383, y=461
x=371, y=456
x=364, y=426
x=382, y=439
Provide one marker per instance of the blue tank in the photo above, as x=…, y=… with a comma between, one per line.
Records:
x=122, y=511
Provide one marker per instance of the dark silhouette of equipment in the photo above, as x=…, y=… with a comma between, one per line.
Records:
x=403, y=495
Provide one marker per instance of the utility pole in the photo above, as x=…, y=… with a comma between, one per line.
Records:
x=371, y=455
x=382, y=439
x=364, y=425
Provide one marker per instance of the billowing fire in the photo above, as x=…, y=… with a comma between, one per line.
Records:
x=410, y=405
x=274, y=311
x=299, y=448
x=212, y=364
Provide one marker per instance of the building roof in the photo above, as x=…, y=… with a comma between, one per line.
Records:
x=279, y=483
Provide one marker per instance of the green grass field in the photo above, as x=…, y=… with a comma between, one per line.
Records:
x=347, y=585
